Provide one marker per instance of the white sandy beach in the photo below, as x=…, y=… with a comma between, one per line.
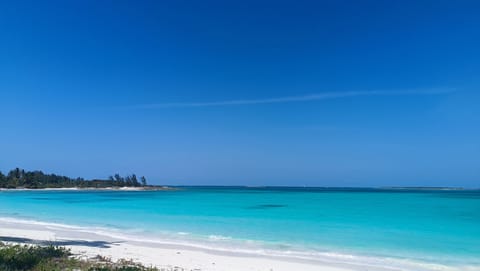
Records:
x=121, y=188
x=166, y=256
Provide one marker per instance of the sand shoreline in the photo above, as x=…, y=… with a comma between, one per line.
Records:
x=181, y=257
x=125, y=188
x=167, y=256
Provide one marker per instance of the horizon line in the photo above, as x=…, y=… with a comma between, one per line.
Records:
x=327, y=187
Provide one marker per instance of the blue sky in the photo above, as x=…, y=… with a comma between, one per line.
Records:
x=322, y=93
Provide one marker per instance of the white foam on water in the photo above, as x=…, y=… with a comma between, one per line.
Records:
x=226, y=244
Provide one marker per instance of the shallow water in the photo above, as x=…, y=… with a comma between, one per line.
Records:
x=421, y=225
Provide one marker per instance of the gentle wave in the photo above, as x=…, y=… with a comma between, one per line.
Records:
x=225, y=244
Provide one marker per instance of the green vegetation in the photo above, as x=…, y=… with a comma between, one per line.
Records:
x=52, y=258
x=19, y=178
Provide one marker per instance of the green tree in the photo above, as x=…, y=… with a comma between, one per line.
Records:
x=135, y=180
x=17, y=178
x=3, y=180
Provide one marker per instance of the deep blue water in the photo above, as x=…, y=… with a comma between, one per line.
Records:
x=424, y=225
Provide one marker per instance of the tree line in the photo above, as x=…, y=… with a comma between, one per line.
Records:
x=19, y=178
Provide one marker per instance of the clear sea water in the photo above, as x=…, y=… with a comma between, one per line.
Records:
x=440, y=226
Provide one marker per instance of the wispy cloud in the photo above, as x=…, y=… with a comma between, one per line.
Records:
x=292, y=99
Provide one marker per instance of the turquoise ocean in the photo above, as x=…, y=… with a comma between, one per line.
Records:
x=418, y=226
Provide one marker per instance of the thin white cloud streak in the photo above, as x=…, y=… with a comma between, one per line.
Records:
x=292, y=99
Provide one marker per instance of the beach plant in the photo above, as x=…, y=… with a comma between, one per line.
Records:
x=25, y=257
x=54, y=258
